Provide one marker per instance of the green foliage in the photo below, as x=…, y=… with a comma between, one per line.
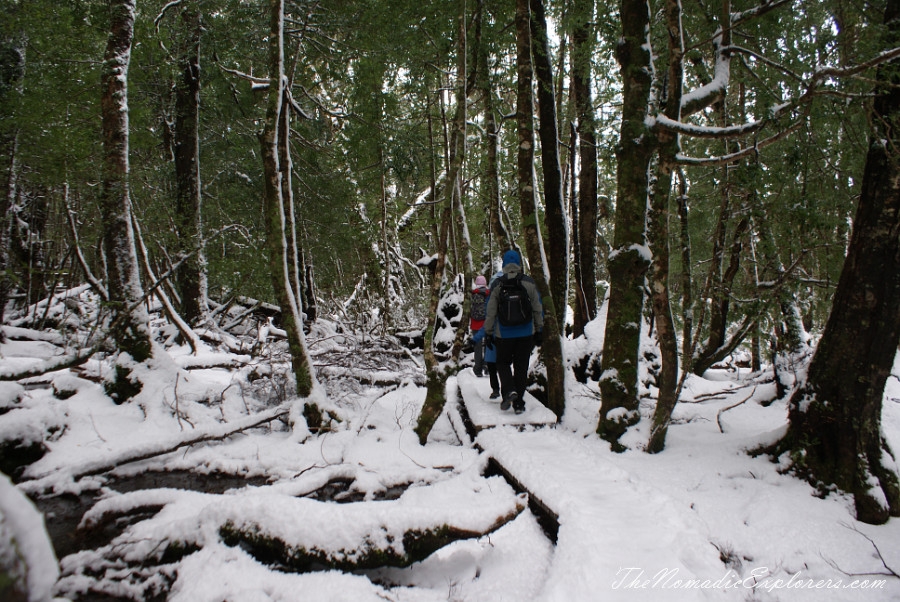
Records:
x=372, y=80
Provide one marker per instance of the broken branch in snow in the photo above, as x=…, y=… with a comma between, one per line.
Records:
x=136, y=454
x=731, y=407
x=890, y=572
x=174, y=317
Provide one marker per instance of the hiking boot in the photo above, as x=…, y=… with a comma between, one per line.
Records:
x=508, y=401
x=519, y=405
x=495, y=394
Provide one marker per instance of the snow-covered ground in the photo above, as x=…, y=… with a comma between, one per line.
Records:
x=703, y=520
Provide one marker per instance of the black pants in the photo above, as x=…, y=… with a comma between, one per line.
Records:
x=492, y=372
x=513, y=356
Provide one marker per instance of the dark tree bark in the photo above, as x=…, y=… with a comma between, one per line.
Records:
x=557, y=237
x=586, y=223
x=834, y=435
x=552, y=348
x=629, y=259
x=131, y=330
x=191, y=278
x=720, y=293
x=687, y=285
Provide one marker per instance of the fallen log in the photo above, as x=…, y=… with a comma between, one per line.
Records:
x=376, y=550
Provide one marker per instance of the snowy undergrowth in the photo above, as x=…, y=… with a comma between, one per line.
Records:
x=632, y=525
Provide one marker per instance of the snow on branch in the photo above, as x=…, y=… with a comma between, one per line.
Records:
x=882, y=57
x=733, y=131
x=741, y=154
x=108, y=461
x=757, y=11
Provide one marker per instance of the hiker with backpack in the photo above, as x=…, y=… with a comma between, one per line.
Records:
x=477, y=315
x=514, y=324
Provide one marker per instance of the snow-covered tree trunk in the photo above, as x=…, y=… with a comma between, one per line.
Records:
x=130, y=326
x=6, y=220
x=274, y=209
x=834, y=435
x=629, y=259
x=12, y=65
x=435, y=376
x=458, y=152
x=191, y=278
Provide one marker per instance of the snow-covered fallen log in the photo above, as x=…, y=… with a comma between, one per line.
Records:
x=107, y=461
x=294, y=533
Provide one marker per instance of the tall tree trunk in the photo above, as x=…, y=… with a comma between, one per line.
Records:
x=492, y=141
x=586, y=224
x=274, y=140
x=834, y=433
x=191, y=278
x=130, y=325
x=6, y=222
x=629, y=259
x=667, y=381
x=435, y=377
x=557, y=238
x=385, y=248
x=458, y=151
x=552, y=348
x=288, y=206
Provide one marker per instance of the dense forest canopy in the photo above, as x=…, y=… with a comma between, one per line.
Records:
x=370, y=94
x=708, y=164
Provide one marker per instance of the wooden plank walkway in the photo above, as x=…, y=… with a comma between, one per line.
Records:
x=484, y=412
x=602, y=519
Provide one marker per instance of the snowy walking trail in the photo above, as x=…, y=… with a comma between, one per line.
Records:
x=612, y=527
x=616, y=533
x=668, y=535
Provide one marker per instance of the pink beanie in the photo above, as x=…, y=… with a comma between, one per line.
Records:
x=480, y=281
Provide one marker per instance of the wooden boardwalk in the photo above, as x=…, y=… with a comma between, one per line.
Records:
x=484, y=412
x=571, y=489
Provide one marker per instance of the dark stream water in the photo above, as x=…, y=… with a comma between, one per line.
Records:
x=63, y=513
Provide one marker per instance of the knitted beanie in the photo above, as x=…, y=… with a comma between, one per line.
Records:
x=512, y=256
